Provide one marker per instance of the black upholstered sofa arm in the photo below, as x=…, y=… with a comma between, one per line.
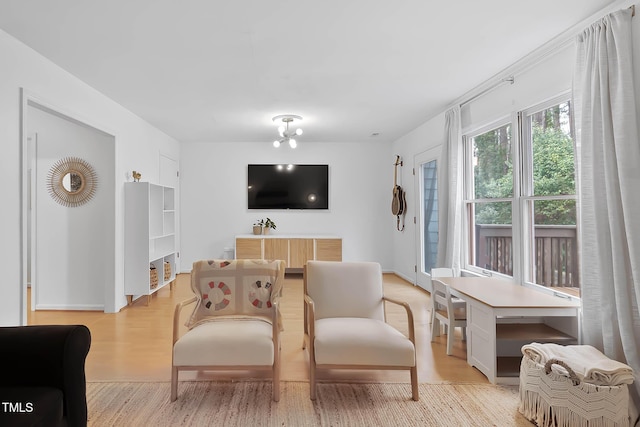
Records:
x=44, y=357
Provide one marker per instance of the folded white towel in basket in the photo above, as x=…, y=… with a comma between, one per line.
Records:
x=589, y=363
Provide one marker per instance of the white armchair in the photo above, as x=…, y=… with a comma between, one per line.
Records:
x=344, y=323
x=236, y=322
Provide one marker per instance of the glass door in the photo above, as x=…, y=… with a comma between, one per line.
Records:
x=426, y=176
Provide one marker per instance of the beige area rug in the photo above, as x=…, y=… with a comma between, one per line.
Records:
x=248, y=403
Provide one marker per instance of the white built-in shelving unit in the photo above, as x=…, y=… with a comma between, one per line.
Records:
x=150, y=237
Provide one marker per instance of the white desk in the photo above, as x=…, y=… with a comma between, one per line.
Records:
x=502, y=316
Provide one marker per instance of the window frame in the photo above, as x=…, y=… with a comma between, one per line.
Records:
x=523, y=194
x=526, y=191
x=468, y=194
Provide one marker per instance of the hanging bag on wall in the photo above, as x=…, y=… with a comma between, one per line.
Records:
x=399, y=201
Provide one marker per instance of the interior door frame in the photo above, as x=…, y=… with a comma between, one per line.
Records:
x=169, y=172
x=423, y=279
x=31, y=279
x=27, y=99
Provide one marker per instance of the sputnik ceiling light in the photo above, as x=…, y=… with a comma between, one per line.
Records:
x=287, y=135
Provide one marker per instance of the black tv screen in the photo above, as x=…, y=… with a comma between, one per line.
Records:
x=288, y=186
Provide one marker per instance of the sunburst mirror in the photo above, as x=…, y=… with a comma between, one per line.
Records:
x=72, y=181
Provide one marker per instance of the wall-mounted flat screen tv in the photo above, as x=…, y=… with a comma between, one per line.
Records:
x=287, y=186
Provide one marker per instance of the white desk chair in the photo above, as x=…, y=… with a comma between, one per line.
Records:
x=445, y=272
x=446, y=312
x=442, y=272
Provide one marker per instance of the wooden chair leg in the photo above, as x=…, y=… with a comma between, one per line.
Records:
x=276, y=384
x=415, y=392
x=312, y=378
x=276, y=379
x=174, y=383
x=450, y=335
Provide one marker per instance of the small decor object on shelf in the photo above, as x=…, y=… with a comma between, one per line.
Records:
x=262, y=226
x=268, y=223
x=153, y=276
x=257, y=226
x=167, y=270
x=137, y=176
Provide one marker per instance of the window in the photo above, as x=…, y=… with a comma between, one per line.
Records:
x=527, y=229
x=489, y=203
x=549, y=198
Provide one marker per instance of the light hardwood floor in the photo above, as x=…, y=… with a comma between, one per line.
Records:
x=135, y=344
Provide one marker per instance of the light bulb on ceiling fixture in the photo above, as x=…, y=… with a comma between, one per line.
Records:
x=285, y=134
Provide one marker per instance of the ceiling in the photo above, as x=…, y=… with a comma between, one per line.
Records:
x=210, y=70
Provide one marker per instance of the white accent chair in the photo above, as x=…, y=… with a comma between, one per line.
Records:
x=344, y=325
x=445, y=311
x=235, y=324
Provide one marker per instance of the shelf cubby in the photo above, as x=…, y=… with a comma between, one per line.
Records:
x=150, y=225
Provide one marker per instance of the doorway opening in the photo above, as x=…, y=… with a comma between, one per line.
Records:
x=68, y=252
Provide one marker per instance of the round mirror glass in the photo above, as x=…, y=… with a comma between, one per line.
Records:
x=73, y=182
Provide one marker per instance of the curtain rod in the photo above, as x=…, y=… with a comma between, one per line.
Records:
x=542, y=52
x=509, y=80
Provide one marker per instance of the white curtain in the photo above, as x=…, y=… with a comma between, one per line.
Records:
x=608, y=157
x=450, y=167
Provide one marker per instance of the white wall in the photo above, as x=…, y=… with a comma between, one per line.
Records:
x=214, y=197
x=72, y=243
x=138, y=145
x=423, y=138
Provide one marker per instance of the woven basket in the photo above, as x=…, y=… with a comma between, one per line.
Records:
x=549, y=398
x=153, y=277
x=167, y=270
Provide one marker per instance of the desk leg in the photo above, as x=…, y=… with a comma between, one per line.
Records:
x=481, y=342
x=469, y=334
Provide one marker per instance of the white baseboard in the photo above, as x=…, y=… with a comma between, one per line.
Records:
x=411, y=280
x=73, y=307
